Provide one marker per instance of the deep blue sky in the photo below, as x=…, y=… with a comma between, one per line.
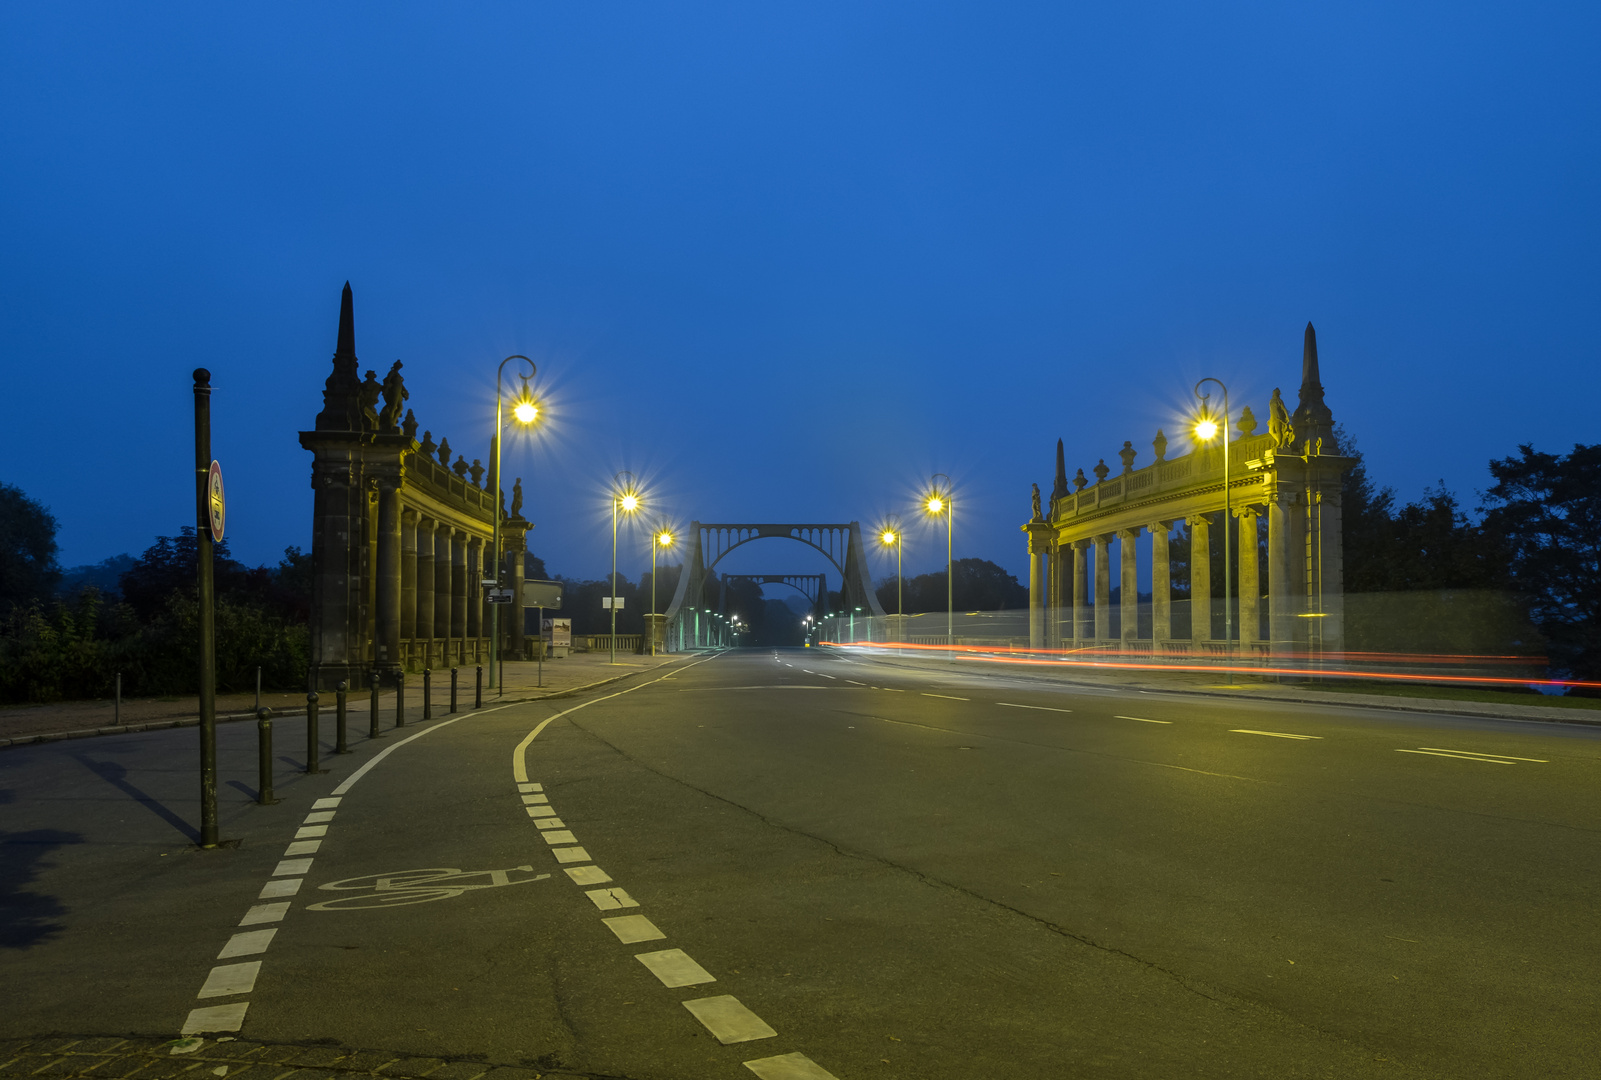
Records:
x=785, y=260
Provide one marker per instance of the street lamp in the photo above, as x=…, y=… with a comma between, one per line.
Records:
x=526, y=411
x=661, y=540
x=892, y=535
x=937, y=503
x=1207, y=427
x=624, y=498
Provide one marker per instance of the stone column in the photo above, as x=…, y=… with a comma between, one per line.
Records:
x=336, y=515
x=1331, y=565
x=1039, y=540
x=1281, y=577
x=458, y=593
x=475, y=605
x=1103, y=587
x=408, y=579
x=442, y=556
x=386, y=613
x=1129, y=584
x=1250, y=581
x=1200, y=578
x=1080, y=590
x=1161, y=586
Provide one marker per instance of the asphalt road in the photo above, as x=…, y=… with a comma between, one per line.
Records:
x=898, y=871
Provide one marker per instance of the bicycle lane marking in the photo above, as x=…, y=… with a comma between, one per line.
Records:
x=728, y=1019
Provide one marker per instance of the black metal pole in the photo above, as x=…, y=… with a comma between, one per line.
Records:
x=427, y=693
x=478, y=691
x=341, y=743
x=208, y=623
x=453, y=691
x=400, y=699
x=372, y=724
x=311, y=732
x=264, y=757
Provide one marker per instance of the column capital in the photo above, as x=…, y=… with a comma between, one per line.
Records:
x=1156, y=527
x=1249, y=510
x=1105, y=539
x=1130, y=533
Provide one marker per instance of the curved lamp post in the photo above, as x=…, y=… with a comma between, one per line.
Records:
x=1207, y=428
x=937, y=503
x=526, y=411
x=624, y=498
x=660, y=541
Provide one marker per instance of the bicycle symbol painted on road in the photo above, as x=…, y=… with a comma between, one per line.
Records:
x=418, y=886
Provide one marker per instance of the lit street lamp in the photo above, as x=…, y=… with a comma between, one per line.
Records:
x=663, y=539
x=526, y=411
x=623, y=498
x=1207, y=427
x=937, y=503
x=892, y=535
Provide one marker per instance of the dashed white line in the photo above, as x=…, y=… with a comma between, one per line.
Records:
x=633, y=928
x=947, y=697
x=674, y=968
x=610, y=899
x=1141, y=719
x=535, y=800
x=306, y=832
x=264, y=913
x=1274, y=734
x=231, y=979
x=216, y=1018
x=1478, y=754
x=789, y=1067
x=549, y=823
x=283, y=887
x=292, y=866
x=248, y=943
x=1040, y=708
x=729, y=1020
x=325, y=815
x=561, y=836
x=569, y=854
x=587, y=875
x=543, y=810
x=303, y=847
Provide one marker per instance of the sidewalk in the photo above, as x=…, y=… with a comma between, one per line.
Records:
x=22, y=724
x=1212, y=685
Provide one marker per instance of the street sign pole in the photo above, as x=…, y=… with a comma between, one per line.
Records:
x=208, y=527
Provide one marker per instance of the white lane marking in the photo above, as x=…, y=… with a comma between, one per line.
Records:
x=541, y=811
x=1275, y=734
x=519, y=767
x=248, y=943
x=559, y=836
x=228, y=979
x=260, y=913
x=570, y=854
x=386, y=751
x=325, y=804
x=730, y=1021
x=285, y=887
x=587, y=875
x=633, y=928
x=891, y=689
x=216, y=1018
x=1141, y=719
x=535, y=800
x=674, y=968
x=292, y=866
x=549, y=823
x=853, y=682
x=827, y=676
x=947, y=697
x=306, y=832
x=320, y=816
x=610, y=899
x=1458, y=757
x=525, y=788
x=789, y=1067
x=1041, y=708
x=1481, y=754
x=804, y=671
x=303, y=847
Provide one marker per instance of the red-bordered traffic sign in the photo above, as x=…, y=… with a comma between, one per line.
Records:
x=215, y=502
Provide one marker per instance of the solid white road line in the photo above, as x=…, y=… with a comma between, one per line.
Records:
x=248, y=943
x=789, y=1067
x=674, y=968
x=1274, y=734
x=231, y=979
x=1141, y=719
x=1041, y=708
x=730, y=1021
x=632, y=928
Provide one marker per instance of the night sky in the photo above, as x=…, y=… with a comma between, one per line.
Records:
x=784, y=261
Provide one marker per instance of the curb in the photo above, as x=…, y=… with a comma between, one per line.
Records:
x=194, y=721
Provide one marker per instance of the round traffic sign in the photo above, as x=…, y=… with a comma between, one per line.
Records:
x=215, y=502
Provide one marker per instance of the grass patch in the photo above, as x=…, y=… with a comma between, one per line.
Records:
x=1456, y=693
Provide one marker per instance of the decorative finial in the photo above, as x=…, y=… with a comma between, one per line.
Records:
x=477, y=469
x=460, y=468
x=1100, y=471
x=444, y=452
x=409, y=425
x=1128, y=454
x=1159, y=444
x=428, y=448
x=1080, y=481
x=1247, y=422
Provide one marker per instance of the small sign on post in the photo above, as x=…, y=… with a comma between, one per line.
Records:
x=606, y=602
x=500, y=596
x=215, y=501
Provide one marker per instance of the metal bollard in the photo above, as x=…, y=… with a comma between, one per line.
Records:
x=373, y=732
x=116, y=715
x=478, y=692
x=400, y=699
x=427, y=694
x=264, y=757
x=452, y=690
x=311, y=733
x=341, y=744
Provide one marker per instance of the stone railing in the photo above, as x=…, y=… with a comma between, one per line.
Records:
x=629, y=643
x=1163, y=477
x=445, y=485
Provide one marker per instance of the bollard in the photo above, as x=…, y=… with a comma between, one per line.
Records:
x=373, y=733
x=400, y=699
x=427, y=694
x=311, y=732
x=341, y=744
x=264, y=757
x=116, y=714
x=452, y=690
x=258, y=687
x=478, y=691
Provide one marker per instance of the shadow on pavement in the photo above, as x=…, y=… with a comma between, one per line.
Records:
x=117, y=776
x=28, y=918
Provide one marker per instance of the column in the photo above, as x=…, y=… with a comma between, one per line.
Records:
x=1331, y=563
x=1250, y=582
x=442, y=554
x=475, y=604
x=1039, y=546
x=408, y=578
x=1200, y=577
x=1161, y=586
x=424, y=588
x=514, y=610
x=458, y=593
x=1129, y=584
x=1103, y=587
x=1080, y=590
x=1281, y=580
x=386, y=614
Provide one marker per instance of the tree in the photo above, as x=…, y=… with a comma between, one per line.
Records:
x=28, y=549
x=980, y=585
x=1545, y=509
